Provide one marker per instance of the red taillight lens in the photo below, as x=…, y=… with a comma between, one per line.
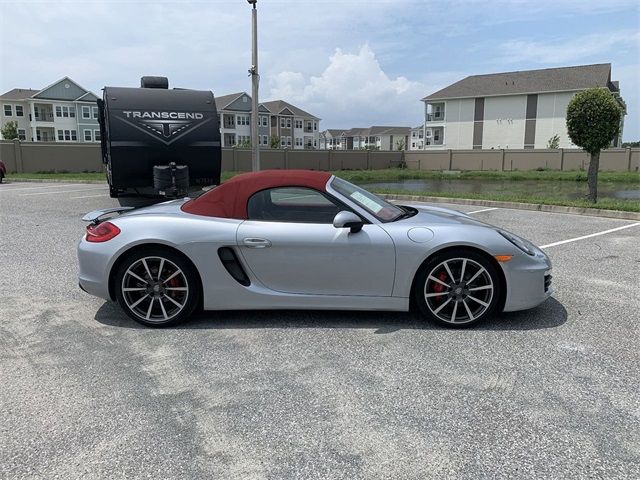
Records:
x=102, y=232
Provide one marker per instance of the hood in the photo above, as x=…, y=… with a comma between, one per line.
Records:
x=430, y=216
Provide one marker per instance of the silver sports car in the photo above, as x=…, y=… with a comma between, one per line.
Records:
x=296, y=239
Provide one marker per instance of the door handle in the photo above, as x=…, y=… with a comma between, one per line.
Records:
x=256, y=243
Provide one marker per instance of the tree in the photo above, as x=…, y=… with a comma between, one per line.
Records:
x=630, y=144
x=274, y=141
x=593, y=121
x=9, y=131
x=244, y=144
x=400, y=144
x=554, y=142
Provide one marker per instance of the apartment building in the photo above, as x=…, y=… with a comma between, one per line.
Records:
x=523, y=109
x=293, y=127
x=61, y=112
x=375, y=137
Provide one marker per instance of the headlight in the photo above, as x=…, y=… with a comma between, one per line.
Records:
x=524, y=245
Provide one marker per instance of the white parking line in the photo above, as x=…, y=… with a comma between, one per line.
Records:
x=33, y=188
x=590, y=236
x=87, y=196
x=61, y=191
x=483, y=210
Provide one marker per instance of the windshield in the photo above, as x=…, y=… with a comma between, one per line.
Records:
x=376, y=206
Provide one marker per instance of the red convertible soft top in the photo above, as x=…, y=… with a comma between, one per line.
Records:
x=229, y=200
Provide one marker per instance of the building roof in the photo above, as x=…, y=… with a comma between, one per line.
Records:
x=225, y=100
x=376, y=130
x=334, y=132
x=276, y=106
x=18, y=94
x=529, y=81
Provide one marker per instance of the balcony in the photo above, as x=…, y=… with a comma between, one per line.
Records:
x=435, y=112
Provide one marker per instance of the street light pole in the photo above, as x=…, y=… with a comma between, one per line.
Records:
x=255, y=80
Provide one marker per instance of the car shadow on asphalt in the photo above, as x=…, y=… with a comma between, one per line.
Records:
x=550, y=314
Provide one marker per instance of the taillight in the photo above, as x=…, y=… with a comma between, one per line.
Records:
x=102, y=232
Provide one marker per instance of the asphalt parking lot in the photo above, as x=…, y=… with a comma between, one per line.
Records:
x=546, y=393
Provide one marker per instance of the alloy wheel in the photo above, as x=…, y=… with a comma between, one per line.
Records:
x=458, y=291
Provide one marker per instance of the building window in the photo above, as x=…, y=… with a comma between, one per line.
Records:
x=285, y=122
x=86, y=111
x=72, y=112
x=283, y=141
x=19, y=111
x=60, y=135
x=315, y=125
x=8, y=110
x=298, y=123
x=22, y=134
x=58, y=111
x=315, y=143
x=264, y=121
x=96, y=135
x=87, y=136
x=298, y=142
x=95, y=112
x=242, y=120
x=65, y=112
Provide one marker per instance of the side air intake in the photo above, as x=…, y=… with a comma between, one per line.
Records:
x=230, y=261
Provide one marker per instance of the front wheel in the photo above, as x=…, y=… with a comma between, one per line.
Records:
x=457, y=289
x=156, y=287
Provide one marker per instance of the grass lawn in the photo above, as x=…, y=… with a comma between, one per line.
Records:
x=395, y=174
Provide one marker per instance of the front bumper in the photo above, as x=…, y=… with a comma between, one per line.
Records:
x=528, y=281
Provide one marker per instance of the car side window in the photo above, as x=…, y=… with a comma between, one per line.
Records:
x=292, y=204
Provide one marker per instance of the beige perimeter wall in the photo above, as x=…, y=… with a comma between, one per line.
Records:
x=31, y=157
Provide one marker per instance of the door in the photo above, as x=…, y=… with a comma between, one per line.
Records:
x=291, y=246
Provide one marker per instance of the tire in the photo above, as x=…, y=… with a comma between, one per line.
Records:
x=445, y=298
x=157, y=287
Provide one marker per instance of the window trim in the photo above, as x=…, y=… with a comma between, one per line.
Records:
x=95, y=137
x=86, y=109
x=4, y=109
x=15, y=109
x=84, y=135
x=336, y=201
x=24, y=134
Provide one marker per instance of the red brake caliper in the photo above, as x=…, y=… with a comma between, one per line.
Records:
x=438, y=287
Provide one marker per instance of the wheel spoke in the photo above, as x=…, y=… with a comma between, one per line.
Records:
x=129, y=272
x=172, y=300
x=455, y=309
x=429, y=295
x=476, y=275
x=431, y=277
x=484, y=287
x=135, y=304
x=179, y=289
x=442, y=306
x=164, y=312
x=137, y=289
x=464, y=265
x=446, y=267
x=146, y=267
x=484, y=304
x=177, y=272
x=471, y=317
x=153, y=299
x=160, y=269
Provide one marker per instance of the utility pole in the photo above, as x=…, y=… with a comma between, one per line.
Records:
x=255, y=80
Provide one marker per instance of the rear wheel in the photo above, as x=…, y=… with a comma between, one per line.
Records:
x=157, y=287
x=457, y=289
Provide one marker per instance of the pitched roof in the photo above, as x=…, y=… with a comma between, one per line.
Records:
x=18, y=94
x=224, y=100
x=276, y=106
x=377, y=130
x=528, y=81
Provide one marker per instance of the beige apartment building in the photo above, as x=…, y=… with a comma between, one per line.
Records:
x=523, y=109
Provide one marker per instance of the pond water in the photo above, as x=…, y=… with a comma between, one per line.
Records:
x=559, y=189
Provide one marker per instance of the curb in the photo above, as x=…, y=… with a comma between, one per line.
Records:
x=50, y=180
x=593, y=212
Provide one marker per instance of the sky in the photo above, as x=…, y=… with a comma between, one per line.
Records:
x=352, y=63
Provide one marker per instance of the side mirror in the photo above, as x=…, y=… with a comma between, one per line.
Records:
x=350, y=220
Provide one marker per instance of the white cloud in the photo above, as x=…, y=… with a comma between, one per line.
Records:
x=352, y=90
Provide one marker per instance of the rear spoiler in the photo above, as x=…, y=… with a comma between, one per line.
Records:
x=94, y=217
